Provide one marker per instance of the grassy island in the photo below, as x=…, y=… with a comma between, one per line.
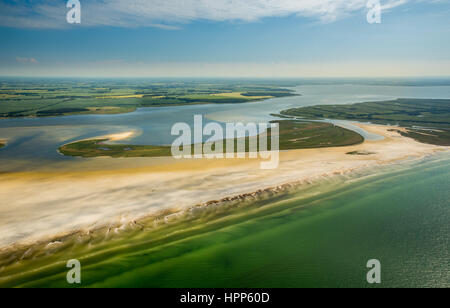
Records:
x=293, y=135
x=426, y=120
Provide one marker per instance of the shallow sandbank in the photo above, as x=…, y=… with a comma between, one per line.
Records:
x=91, y=194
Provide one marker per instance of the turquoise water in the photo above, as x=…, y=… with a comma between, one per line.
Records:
x=400, y=217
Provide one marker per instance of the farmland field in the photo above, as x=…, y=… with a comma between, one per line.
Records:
x=69, y=97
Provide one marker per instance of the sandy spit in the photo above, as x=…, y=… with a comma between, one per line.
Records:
x=39, y=206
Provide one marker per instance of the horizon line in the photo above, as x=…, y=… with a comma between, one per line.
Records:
x=233, y=77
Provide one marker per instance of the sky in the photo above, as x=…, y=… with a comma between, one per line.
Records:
x=225, y=38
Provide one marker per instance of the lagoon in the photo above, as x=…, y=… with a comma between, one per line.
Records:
x=398, y=214
x=34, y=141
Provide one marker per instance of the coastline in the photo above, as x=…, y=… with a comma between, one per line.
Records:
x=242, y=181
x=261, y=232
x=117, y=110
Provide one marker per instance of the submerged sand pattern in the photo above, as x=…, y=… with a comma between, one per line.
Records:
x=116, y=192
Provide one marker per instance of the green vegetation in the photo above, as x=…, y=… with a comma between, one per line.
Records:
x=2, y=145
x=44, y=98
x=293, y=135
x=427, y=120
x=361, y=153
x=308, y=135
x=438, y=137
x=97, y=147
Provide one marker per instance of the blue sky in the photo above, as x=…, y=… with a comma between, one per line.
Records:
x=225, y=38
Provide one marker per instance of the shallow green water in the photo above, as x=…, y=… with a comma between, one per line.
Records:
x=400, y=218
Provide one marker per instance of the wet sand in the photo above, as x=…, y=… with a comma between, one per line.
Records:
x=91, y=194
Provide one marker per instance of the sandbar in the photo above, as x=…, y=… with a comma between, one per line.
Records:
x=38, y=206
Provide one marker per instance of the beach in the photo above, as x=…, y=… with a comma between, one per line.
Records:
x=192, y=145
x=41, y=206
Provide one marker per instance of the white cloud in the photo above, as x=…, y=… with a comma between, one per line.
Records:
x=393, y=4
x=22, y=60
x=170, y=13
